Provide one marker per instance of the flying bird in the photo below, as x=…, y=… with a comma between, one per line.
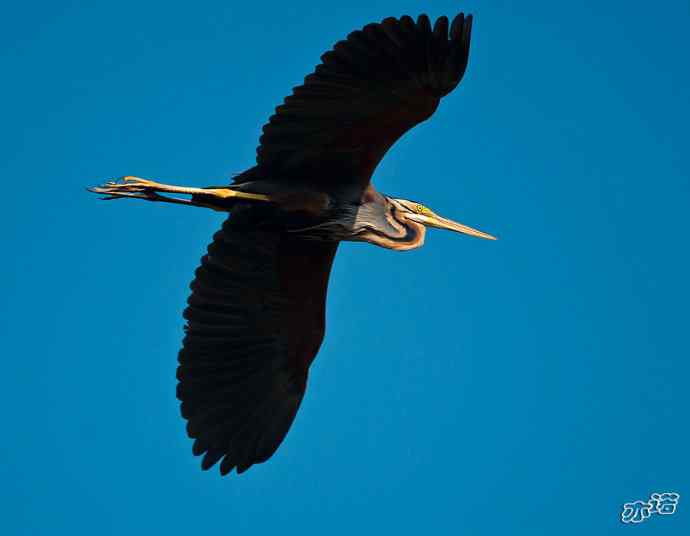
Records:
x=256, y=315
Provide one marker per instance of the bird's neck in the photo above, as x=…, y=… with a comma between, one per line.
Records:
x=408, y=235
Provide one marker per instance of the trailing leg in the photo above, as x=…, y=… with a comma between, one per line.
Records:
x=137, y=188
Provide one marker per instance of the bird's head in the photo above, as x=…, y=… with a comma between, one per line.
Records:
x=417, y=212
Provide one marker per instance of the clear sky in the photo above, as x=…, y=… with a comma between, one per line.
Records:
x=526, y=386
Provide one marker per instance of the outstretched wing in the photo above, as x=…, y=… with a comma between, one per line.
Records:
x=370, y=89
x=255, y=322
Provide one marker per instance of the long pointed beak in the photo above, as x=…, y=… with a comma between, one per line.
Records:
x=443, y=223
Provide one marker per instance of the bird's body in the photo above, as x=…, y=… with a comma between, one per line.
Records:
x=255, y=318
x=366, y=216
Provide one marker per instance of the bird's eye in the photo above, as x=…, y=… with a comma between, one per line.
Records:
x=421, y=209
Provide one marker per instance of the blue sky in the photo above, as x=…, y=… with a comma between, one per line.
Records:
x=526, y=386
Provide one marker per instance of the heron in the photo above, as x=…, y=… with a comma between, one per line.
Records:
x=255, y=318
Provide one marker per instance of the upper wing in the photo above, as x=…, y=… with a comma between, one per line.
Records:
x=370, y=89
x=255, y=322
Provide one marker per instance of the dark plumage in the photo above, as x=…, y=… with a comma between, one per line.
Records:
x=255, y=318
x=367, y=92
x=255, y=321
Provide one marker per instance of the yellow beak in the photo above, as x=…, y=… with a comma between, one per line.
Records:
x=443, y=223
